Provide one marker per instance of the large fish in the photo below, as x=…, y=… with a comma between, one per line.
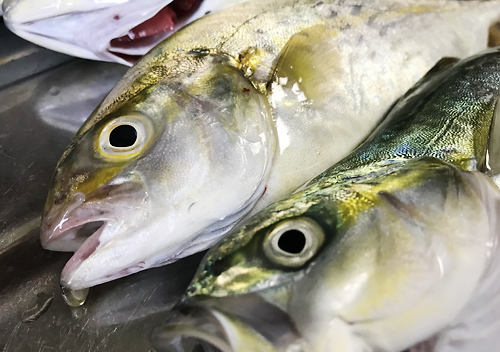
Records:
x=108, y=30
x=232, y=113
x=394, y=244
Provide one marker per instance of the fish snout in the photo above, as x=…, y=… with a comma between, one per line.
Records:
x=69, y=220
x=57, y=220
x=198, y=326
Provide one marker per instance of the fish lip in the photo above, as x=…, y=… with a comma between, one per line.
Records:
x=24, y=29
x=61, y=222
x=195, y=324
x=107, y=50
x=207, y=322
x=83, y=252
x=59, y=228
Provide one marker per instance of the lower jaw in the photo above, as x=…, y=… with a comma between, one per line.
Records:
x=200, y=327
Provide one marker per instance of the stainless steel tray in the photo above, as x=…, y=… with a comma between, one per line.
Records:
x=44, y=97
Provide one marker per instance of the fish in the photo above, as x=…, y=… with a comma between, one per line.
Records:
x=232, y=113
x=120, y=31
x=396, y=244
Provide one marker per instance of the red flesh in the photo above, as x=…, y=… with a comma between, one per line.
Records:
x=163, y=21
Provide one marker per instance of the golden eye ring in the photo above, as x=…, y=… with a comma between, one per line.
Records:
x=124, y=137
x=293, y=242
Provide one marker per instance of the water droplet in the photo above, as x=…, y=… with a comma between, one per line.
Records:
x=74, y=298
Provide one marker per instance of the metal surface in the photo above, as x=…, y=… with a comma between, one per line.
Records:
x=41, y=106
x=20, y=59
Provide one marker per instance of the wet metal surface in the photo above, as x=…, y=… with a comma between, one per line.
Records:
x=19, y=58
x=43, y=100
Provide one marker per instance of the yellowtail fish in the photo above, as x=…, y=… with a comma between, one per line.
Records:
x=395, y=244
x=232, y=113
x=107, y=30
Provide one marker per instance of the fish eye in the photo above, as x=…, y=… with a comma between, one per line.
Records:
x=293, y=242
x=124, y=137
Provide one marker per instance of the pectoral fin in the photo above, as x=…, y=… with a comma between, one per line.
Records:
x=307, y=59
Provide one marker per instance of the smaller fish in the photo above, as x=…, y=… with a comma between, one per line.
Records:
x=108, y=30
x=395, y=244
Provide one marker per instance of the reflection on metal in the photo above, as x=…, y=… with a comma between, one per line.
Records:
x=18, y=234
x=44, y=97
x=18, y=55
x=39, y=311
x=20, y=59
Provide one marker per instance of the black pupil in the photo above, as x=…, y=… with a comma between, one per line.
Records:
x=123, y=136
x=292, y=241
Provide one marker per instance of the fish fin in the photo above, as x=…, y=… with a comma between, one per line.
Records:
x=443, y=65
x=493, y=148
x=494, y=35
x=308, y=57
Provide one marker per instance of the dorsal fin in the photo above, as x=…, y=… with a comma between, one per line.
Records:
x=441, y=66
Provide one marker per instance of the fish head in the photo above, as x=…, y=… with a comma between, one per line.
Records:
x=163, y=167
x=272, y=249
x=387, y=260
x=107, y=30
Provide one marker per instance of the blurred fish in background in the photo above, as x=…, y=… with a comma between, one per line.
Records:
x=107, y=30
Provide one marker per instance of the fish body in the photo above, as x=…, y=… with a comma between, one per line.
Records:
x=232, y=113
x=109, y=30
x=395, y=244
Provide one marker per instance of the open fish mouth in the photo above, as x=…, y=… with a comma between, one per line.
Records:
x=148, y=33
x=253, y=325
x=66, y=231
x=77, y=229
x=112, y=232
x=86, y=224
x=106, y=31
x=249, y=323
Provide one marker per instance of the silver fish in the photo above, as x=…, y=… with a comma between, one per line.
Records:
x=233, y=113
x=395, y=244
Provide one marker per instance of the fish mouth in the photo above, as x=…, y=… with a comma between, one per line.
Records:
x=245, y=323
x=119, y=230
x=84, y=223
x=65, y=229
x=122, y=33
x=191, y=329
x=130, y=47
